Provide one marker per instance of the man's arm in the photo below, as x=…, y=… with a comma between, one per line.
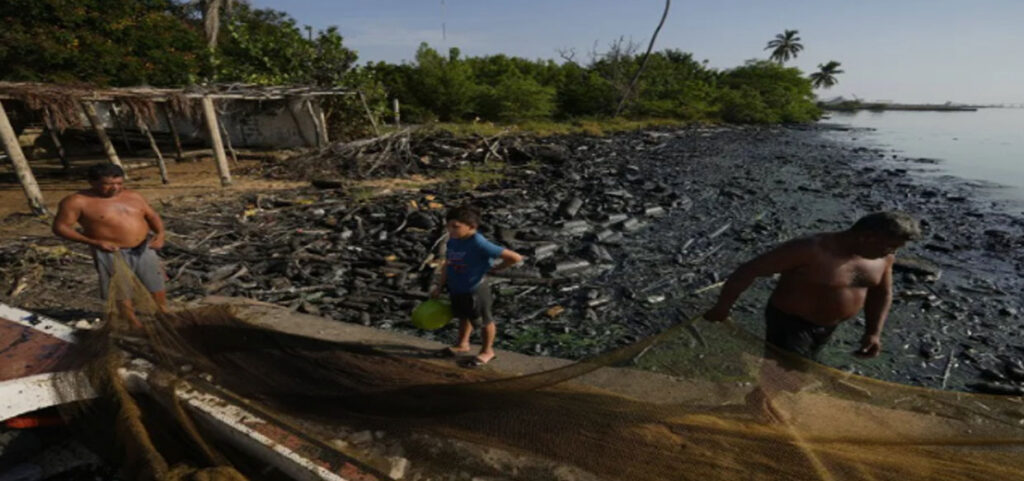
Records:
x=785, y=257
x=156, y=224
x=876, y=310
x=68, y=212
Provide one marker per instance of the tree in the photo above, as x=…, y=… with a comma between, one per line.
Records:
x=102, y=42
x=785, y=46
x=265, y=46
x=825, y=77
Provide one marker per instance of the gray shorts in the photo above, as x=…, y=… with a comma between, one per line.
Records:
x=142, y=261
x=475, y=306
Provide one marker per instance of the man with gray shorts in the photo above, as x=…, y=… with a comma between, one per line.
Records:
x=116, y=222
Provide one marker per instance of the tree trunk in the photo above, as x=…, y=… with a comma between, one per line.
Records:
x=643, y=62
x=21, y=167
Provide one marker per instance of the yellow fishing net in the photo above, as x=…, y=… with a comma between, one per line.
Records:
x=701, y=403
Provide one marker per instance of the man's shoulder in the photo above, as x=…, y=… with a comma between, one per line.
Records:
x=77, y=198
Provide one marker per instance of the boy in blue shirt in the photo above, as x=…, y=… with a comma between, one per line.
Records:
x=469, y=258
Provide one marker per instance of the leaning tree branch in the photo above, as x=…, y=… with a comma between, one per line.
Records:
x=643, y=62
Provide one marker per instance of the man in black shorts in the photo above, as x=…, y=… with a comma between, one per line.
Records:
x=824, y=280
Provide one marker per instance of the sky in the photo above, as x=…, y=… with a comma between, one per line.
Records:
x=969, y=51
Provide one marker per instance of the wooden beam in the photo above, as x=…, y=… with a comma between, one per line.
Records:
x=292, y=106
x=97, y=126
x=156, y=150
x=210, y=114
x=169, y=118
x=55, y=138
x=21, y=167
x=398, y=112
x=369, y=115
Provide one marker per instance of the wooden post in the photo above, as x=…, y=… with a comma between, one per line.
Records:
x=55, y=139
x=369, y=115
x=156, y=150
x=323, y=122
x=398, y=112
x=120, y=128
x=97, y=126
x=227, y=140
x=292, y=105
x=320, y=128
x=169, y=118
x=210, y=113
x=21, y=167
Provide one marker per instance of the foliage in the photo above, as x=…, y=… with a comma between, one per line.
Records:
x=103, y=42
x=161, y=42
x=825, y=77
x=264, y=46
x=766, y=92
x=785, y=46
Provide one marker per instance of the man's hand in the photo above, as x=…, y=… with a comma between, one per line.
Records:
x=106, y=246
x=717, y=313
x=157, y=242
x=870, y=346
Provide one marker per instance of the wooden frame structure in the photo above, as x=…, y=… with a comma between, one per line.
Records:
x=61, y=107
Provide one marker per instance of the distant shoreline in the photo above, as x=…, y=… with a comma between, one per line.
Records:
x=881, y=106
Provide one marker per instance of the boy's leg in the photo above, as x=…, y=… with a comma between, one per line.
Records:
x=488, y=333
x=465, y=330
x=489, y=330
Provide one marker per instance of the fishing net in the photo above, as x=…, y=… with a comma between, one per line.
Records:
x=698, y=401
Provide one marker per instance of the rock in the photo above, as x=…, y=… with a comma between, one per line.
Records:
x=398, y=467
x=917, y=266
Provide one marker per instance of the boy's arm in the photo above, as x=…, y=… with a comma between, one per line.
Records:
x=508, y=258
x=435, y=292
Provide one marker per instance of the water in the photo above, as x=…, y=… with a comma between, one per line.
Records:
x=986, y=145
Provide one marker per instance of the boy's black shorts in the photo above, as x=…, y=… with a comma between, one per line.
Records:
x=475, y=306
x=794, y=334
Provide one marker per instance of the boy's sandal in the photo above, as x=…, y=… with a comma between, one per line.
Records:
x=445, y=353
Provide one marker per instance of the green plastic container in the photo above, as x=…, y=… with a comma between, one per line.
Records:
x=432, y=314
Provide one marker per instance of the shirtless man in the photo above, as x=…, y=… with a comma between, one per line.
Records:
x=116, y=219
x=825, y=279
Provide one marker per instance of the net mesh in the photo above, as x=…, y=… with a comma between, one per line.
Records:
x=721, y=409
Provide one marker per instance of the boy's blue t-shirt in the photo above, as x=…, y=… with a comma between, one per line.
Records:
x=469, y=260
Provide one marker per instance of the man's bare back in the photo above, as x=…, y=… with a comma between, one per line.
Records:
x=831, y=285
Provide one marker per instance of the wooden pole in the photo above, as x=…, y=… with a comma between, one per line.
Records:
x=179, y=155
x=156, y=150
x=210, y=113
x=398, y=112
x=320, y=128
x=292, y=106
x=56, y=140
x=227, y=140
x=643, y=61
x=323, y=123
x=120, y=128
x=21, y=167
x=97, y=126
x=369, y=115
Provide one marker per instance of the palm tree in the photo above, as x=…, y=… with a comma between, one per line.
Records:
x=826, y=75
x=785, y=46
